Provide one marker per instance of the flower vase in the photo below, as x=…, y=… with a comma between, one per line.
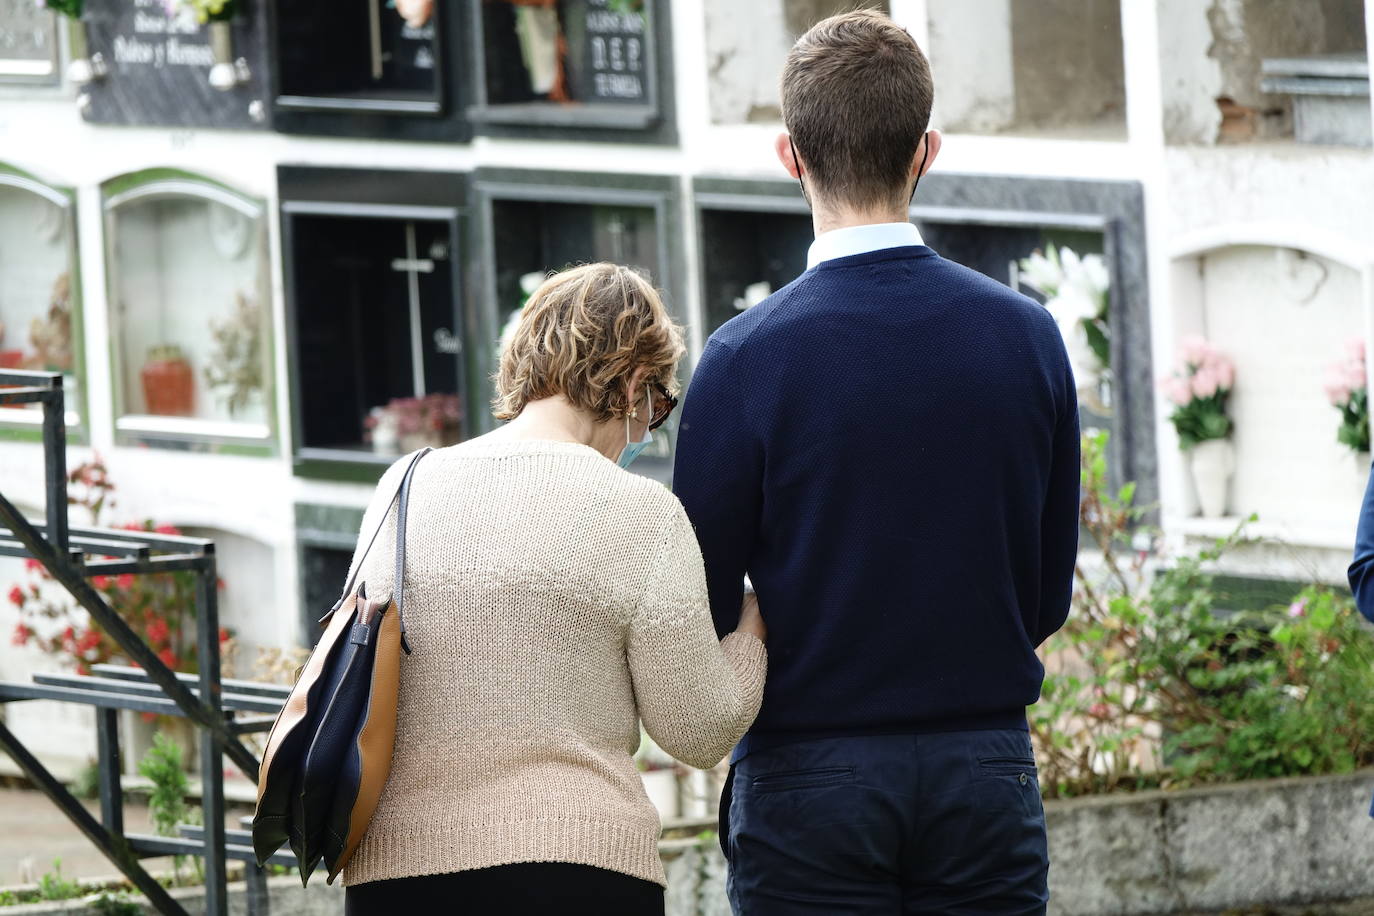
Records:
x=1212, y=463
x=82, y=67
x=168, y=386
x=661, y=787
x=224, y=73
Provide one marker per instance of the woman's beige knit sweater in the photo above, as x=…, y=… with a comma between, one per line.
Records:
x=552, y=601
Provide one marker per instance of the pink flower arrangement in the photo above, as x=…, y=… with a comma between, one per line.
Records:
x=431, y=413
x=1199, y=387
x=1347, y=388
x=1345, y=377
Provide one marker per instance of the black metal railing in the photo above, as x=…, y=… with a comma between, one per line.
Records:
x=70, y=555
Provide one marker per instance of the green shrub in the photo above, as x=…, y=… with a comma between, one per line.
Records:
x=52, y=886
x=167, y=807
x=1151, y=684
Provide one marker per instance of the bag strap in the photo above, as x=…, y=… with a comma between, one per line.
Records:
x=402, y=495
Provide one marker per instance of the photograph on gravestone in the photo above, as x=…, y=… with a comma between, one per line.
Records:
x=28, y=44
x=190, y=310
x=378, y=340
x=361, y=55
x=40, y=325
x=169, y=66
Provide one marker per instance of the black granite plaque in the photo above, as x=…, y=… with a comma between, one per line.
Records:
x=28, y=43
x=744, y=253
x=612, y=65
x=159, y=67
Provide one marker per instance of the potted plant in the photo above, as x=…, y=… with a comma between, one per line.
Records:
x=1199, y=389
x=1347, y=388
x=235, y=368
x=433, y=420
x=1077, y=293
x=168, y=382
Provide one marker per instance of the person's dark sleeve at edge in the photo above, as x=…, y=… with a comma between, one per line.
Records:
x=1361, y=574
x=1059, y=523
x=717, y=475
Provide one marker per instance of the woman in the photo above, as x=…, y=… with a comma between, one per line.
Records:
x=553, y=601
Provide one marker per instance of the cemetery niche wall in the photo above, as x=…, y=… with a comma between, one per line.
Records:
x=534, y=223
x=377, y=316
x=371, y=68
x=40, y=293
x=747, y=44
x=574, y=69
x=753, y=239
x=164, y=67
x=325, y=539
x=29, y=40
x=190, y=314
x=1051, y=68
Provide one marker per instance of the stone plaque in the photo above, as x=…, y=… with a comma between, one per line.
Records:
x=613, y=65
x=28, y=43
x=159, y=67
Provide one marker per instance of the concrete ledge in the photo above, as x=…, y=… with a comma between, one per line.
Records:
x=1278, y=845
x=286, y=895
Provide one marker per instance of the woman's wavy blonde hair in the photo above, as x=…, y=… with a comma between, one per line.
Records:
x=582, y=334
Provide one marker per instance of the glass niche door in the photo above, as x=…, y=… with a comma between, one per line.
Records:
x=533, y=238
x=378, y=344
x=191, y=317
x=360, y=55
x=39, y=289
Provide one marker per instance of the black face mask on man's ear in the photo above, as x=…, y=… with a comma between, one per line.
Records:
x=797, y=161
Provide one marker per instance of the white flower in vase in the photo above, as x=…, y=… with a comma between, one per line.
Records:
x=384, y=431
x=754, y=293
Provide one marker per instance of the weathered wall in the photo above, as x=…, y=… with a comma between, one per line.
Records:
x=971, y=58
x=1067, y=58
x=1234, y=37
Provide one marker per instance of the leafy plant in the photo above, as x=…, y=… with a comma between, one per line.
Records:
x=1347, y=388
x=1199, y=390
x=160, y=607
x=1150, y=683
x=87, y=781
x=120, y=903
x=52, y=886
x=162, y=766
x=236, y=364
x=71, y=8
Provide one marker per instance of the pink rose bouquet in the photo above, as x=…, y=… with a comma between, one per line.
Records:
x=1347, y=388
x=1199, y=389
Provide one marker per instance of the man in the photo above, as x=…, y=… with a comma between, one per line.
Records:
x=888, y=447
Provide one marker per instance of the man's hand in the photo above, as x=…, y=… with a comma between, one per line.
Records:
x=750, y=618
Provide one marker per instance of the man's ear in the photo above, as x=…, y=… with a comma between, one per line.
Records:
x=926, y=153
x=783, y=147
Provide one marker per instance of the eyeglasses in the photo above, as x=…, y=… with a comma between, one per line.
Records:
x=664, y=408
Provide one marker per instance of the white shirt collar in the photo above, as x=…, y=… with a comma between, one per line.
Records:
x=841, y=243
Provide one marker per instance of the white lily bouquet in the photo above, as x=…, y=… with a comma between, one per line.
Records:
x=1077, y=293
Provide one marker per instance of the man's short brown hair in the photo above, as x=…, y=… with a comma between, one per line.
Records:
x=856, y=97
x=582, y=334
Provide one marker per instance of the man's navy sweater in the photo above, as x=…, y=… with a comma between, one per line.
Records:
x=888, y=446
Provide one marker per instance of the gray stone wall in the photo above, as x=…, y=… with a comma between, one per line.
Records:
x=1304, y=844
x=1068, y=65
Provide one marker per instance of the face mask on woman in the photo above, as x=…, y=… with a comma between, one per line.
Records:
x=632, y=450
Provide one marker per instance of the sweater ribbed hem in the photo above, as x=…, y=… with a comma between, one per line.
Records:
x=442, y=848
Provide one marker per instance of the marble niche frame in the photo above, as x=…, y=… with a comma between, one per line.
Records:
x=314, y=191
x=26, y=426
x=179, y=433
x=1115, y=209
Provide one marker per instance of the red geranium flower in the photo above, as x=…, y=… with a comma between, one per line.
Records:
x=125, y=581
x=17, y=596
x=21, y=634
x=167, y=529
x=158, y=630
x=32, y=565
x=168, y=657
x=100, y=582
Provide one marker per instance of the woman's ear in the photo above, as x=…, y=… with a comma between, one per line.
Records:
x=635, y=389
